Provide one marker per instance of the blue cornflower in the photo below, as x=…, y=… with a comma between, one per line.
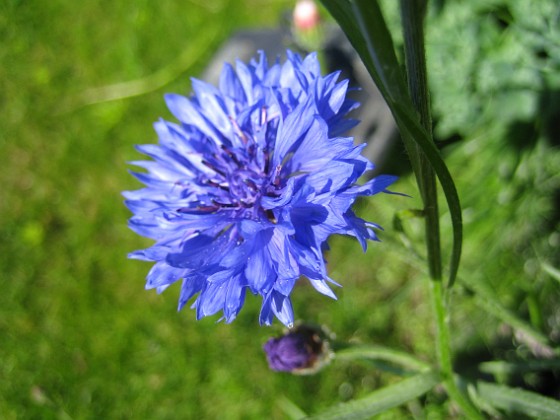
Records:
x=244, y=192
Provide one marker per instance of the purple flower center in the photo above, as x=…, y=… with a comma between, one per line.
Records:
x=245, y=186
x=239, y=179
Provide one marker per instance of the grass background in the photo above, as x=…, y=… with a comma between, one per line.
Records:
x=79, y=335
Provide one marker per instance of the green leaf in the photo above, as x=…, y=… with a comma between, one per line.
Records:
x=486, y=299
x=383, y=399
x=415, y=132
x=499, y=367
x=365, y=27
x=380, y=50
x=554, y=272
x=379, y=56
x=290, y=409
x=515, y=400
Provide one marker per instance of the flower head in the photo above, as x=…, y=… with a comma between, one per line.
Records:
x=243, y=193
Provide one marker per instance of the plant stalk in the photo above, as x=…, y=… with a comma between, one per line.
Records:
x=443, y=344
x=412, y=15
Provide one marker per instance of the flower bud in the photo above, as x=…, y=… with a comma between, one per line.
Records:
x=306, y=15
x=303, y=350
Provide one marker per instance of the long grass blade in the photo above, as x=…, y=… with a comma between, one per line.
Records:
x=383, y=399
x=515, y=400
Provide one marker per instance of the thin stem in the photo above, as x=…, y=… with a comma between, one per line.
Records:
x=380, y=353
x=443, y=346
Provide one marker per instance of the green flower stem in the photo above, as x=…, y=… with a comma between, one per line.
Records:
x=344, y=351
x=443, y=346
x=412, y=14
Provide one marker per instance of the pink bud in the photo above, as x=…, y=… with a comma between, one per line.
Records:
x=306, y=15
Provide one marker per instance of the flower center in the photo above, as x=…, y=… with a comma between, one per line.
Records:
x=245, y=186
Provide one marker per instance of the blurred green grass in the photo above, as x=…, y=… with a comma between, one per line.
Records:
x=79, y=335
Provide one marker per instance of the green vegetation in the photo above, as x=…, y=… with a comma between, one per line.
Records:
x=81, y=338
